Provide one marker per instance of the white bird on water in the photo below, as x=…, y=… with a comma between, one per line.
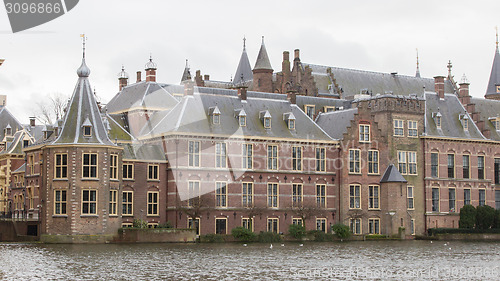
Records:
x=282, y=245
x=271, y=246
x=244, y=245
x=301, y=245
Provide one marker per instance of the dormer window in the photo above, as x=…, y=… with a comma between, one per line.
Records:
x=243, y=121
x=310, y=110
x=465, y=121
x=215, y=114
x=242, y=117
x=8, y=130
x=290, y=120
x=495, y=121
x=26, y=143
x=87, y=128
x=266, y=119
x=291, y=124
x=437, y=118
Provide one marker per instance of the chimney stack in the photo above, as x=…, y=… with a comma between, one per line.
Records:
x=188, y=88
x=291, y=96
x=122, y=79
x=206, y=77
x=439, y=86
x=150, y=70
x=297, y=54
x=32, y=121
x=242, y=93
x=139, y=76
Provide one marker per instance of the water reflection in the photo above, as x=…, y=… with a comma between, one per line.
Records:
x=352, y=260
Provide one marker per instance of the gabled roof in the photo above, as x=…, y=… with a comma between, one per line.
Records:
x=335, y=123
x=494, y=75
x=244, y=71
x=145, y=152
x=392, y=174
x=7, y=119
x=488, y=109
x=262, y=61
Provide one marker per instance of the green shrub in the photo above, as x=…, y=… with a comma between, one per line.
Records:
x=243, y=234
x=467, y=217
x=497, y=219
x=268, y=237
x=165, y=225
x=321, y=236
x=297, y=231
x=138, y=223
x=485, y=217
x=212, y=238
x=341, y=231
x=434, y=231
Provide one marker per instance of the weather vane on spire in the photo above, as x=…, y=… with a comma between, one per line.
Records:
x=244, y=41
x=496, y=28
x=83, y=43
x=418, y=66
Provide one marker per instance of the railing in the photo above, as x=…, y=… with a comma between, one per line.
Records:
x=20, y=215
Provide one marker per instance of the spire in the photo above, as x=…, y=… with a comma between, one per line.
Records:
x=449, y=66
x=418, y=67
x=244, y=70
x=83, y=70
x=496, y=28
x=493, y=90
x=187, y=74
x=263, y=59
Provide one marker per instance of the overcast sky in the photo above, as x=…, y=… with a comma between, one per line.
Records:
x=367, y=35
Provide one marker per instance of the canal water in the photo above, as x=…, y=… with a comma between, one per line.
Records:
x=386, y=260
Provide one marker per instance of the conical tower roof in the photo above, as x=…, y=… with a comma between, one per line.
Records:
x=263, y=59
x=244, y=70
x=495, y=75
x=187, y=74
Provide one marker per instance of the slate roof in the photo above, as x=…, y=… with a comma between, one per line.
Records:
x=494, y=75
x=262, y=61
x=143, y=152
x=186, y=75
x=450, y=109
x=15, y=145
x=488, y=109
x=392, y=174
x=6, y=119
x=335, y=123
x=244, y=71
x=21, y=169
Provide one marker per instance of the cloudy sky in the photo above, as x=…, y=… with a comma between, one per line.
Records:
x=368, y=35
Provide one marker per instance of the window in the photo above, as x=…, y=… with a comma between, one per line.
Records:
x=320, y=159
x=297, y=194
x=297, y=221
x=434, y=165
x=220, y=194
x=193, y=193
x=466, y=196
x=220, y=155
x=496, y=124
x=480, y=167
x=466, y=166
x=451, y=166
x=31, y=199
x=127, y=225
x=374, y=226
x=272, y=225
x=247, y=223
x=412, y=162
x=497, y=170
x=113, y=167
x=194, y=153
x=89, y=202
x=310, y=110
x=329, y=109
x=221, y=226
x=247, y=156
x=435, y=199
x=354, y=196
x=398, y=128
x=216, y=118
x=272, y=157
x=412, y=226
x=153, y=225
x=402, y=162
x=90, y=165
x=412, y=129
x=272, y=195
x=373, y=162
x=127, y=203
x=247, y=194
x=409, y=195
x=87, y=132
x=364, y=133
x=113, y=202
x=31, y=164
x=373, y=197
x=321, y=225
x=354, y=161
x=267, y=122
x=242, y=120
x=291, y=124
x=61, y=166
x=451, y=199
x=194, y=224
x=355, y=226
x=128, y=171
x=465, y=123
x=60, y=202
x=297, y=158
x=153, y=172
x=153, y=203
x=482, y=197
x=321, y=195
x=438, y=122
x=497, y=199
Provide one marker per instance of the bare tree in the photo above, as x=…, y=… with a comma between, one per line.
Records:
x=307, y=210
x=194, y=207
x=51, y=109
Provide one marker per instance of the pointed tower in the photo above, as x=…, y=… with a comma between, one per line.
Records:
x=417, y=74
x=493, y=90
x=244, y=70
x=263, y=72
x=186, y=76
x=150, y=68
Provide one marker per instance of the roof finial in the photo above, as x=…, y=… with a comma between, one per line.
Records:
x=83, y=43
x=244, y=42
x=449, y=69
x=262, y=39
x=186, y=63
x=418, y=67
x=496, y=28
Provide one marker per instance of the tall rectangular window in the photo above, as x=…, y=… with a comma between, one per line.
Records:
x=412, y=226
x=373, y=197
x=247, y=156
x=497, y=170
x=272, y=157
x=297, y=194
x=89, y=165
x=354, y=196
x=374, y=226
x=220, y=194
x=127, y=203
x=364, y=133
x=89, y=202
x=310, y=110
x=220, y=155
x=355, y=226
x=434, y=165
x=297, y=221
x=451, y=166
x=321, y=225
x=451, y=200
x=373, y=162
x=480, y=167
x=482, y=197
x=221, y=226
x=321, y=195
x=193, y=193
x=247, y=223
x=113, y=202
x=398, y=128
x=113, y=167
x=153, y=171
x=412, y=162
x=354, y=161
x=466, y=196
x=435, y=199
x=61, y=166
x=466, y=166
x=194, y=153
x=402, y=163
x=60, y=202
x=153, y=203
x=247, y=194
x=273, y=225
x=297, y=158
x=497, y=199
x=410, y=195
x=412, y=129
x=272, y=195
x=194, y=224
x=320, y=159
x=128, y=171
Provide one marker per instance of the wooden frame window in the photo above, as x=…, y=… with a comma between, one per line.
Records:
x=113, y=167
x=89, y=202
x=373, y=197
x=153, y=199
x=61, y=166
x=220, y=155
x=297, y=158
x=320, y=159
x=412, y=129
x=321, y=195
x=272, y=195
x=128, y=171
x=194, y=153
x=153, y=171
x=374, y=226
x=354, y=196
x=373, y=162
x=297, y=189
x=321, y=225
x=221, y=194
x=128, y=203
x=435, y=199
x=247, y=194
x=409, y=196
x=466, y=166
x=113, y=202
x=398, y=128
x=247, y=156
x=89, y=165
x=480, y=167
x=60, y=202
x=272, y=157
x=355, y=226
x=364, y=133
x=273, y=225
x=354, y=161
x=451, y=166
x=451, y=200
x=193, y=193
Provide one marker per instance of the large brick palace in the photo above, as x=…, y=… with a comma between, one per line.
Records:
x=309, y=144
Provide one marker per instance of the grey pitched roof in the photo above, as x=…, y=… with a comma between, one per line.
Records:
x=6, y=119
x=335, y=123
x=354, y=81
x=21, y=169
x=82, y=107
x=16, y=144
x=143, y=152
x=392, y=174
x=244, y=71
x=488, y=109
x=494, y=75
x=451, y=110
x=186, y=75
x=262, y=61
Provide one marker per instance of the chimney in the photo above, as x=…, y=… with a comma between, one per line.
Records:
x=188, y=88
x=138, y=76
x=285, y=65
x=242, y=93
x=439, y=86
x=150, y=70
x=122, y=79
x=291, y=96
x=206, y=77
x=32, y=121
x=297, y=54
